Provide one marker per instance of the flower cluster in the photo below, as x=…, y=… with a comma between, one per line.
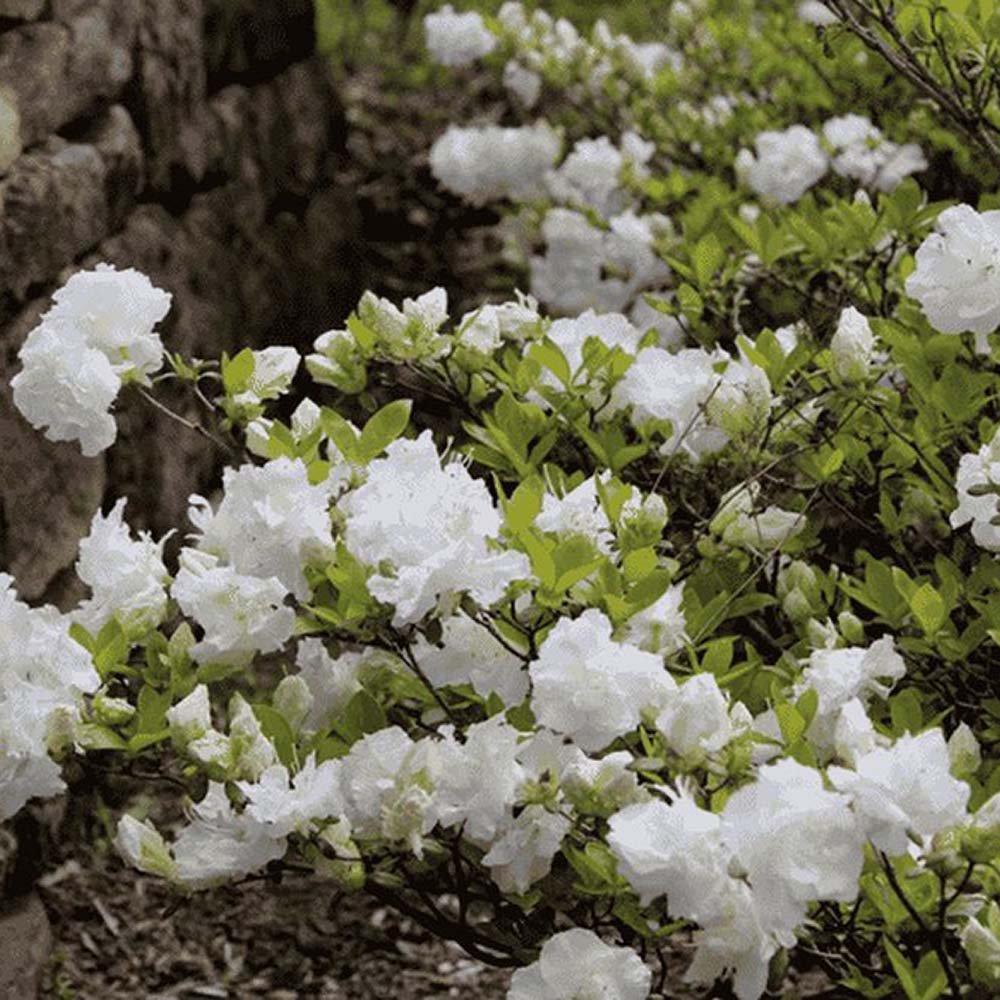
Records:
x=98, y=334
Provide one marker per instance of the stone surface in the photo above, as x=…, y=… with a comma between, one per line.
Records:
x=170, y=79
x=57, y=72
x=26, y=938
x=22, y=10
x=61, y=199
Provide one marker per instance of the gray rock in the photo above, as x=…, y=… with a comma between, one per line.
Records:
x=63, y=198
x=59, y=71
x=27, y=941
x=22, y=10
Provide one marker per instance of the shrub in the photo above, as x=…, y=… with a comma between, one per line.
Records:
x=680, y=629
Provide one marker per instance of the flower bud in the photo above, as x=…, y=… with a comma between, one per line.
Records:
x=964, y=752
x=112, y=711
x=293, y=699
x=142, y=847
x=852, y=347
x=982, y=946
x=851, y=628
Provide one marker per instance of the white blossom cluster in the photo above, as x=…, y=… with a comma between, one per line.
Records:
x=706, y=397
x=585, y=266
x=784, y=165
x=493, y=163
x=98, y=335
x=44, y=676
x=428, y=528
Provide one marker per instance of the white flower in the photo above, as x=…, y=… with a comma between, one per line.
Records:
x=67, y=387
x=645, y=317
x=273, y=371
x=127, y=578
x=739, y=524
x=44, y=675
x=975, y=472
x=523, y=853
x=98, y=332
x=220, y=844
x=742, y=399
x=905, y=788
x=853, y=733
x=490, y=162
x=250, y=751
x=286, y=804
x=814, y=12
x=523, y=83
x=388, y=781
x=674, y=387
x=964, y=751
x=585, y=267
x=591, y=176
x=660, y=627
x=480, y=330
x=432, y=524
x=853, y=346
x=590, y=687
x=957, y=277
x=863, y=154
x=271, y=522
x=331, y=683
x=116, y=311
x=696, y=718
x=24, y=777
x=674, y=850
x=839, y=676
x=785, y=166
x=797, y=842
x=480, y=779
x=469, y=654
x=457, y=39
x=579, y=512
x=577, y=964
x=733, y=942
x=191, y=717
x=983, y=949
x=241, y=614
x=603, y=785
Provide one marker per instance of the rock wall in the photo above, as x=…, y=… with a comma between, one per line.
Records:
x=199, y=141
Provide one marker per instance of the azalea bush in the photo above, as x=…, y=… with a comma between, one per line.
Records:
x=653, y=611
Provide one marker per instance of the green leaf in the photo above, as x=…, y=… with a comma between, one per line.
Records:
x=692, y=304
x=92, y=736
x=141, y=741
x=151, y=709
x=363, y=714
x=549, y=356
x=275, y=727
x=906, y=712
x=237, y=371
x=383, y=428
x=707, y=255
x=339, y=431
x=363, y=335
x=807, y=705
x=523, y=507
x=928, y=608
x=793, y=725
x=111, y=648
